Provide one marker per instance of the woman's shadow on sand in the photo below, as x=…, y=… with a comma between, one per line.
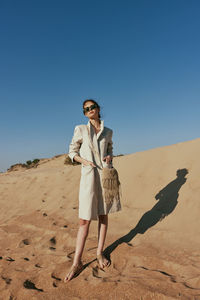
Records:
x=167, y=202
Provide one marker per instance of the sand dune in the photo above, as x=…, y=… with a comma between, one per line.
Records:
x=153, y=243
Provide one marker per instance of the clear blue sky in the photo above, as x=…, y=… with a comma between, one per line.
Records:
x=139, y=59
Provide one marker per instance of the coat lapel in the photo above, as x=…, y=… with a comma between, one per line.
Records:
x=102, y=128
x=94, y=136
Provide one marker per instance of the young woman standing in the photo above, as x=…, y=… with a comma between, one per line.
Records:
x=92, y=146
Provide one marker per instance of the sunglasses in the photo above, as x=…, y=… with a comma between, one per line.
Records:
x=89, y=108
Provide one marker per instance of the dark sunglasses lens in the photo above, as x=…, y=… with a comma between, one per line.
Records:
x=87, y=109
x=93, y=106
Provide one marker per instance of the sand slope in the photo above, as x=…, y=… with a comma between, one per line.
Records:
x=153, y=243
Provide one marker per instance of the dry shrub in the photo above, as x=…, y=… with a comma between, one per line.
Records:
x=69, y=162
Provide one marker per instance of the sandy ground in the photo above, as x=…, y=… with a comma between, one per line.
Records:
x=153, y=243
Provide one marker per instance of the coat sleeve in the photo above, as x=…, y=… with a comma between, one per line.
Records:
x=75, y=144
x=110, y=145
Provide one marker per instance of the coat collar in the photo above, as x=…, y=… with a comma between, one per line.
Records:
x=92, y=129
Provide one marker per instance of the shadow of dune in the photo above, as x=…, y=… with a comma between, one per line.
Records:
x=167, y=202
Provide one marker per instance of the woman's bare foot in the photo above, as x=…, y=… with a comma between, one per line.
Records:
x=74, y=271
x=102, y=261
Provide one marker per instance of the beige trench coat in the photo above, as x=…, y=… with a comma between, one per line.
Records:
x=91, y=202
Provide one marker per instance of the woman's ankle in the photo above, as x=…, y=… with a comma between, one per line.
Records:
x=77, y=264
x=77, y=261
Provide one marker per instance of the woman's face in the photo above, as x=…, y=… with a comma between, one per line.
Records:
x=92, y=113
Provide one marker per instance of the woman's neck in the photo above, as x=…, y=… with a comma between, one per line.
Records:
x=95, y=123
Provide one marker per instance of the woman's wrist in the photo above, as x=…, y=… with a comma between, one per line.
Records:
x=84, y=160
x=79, y=159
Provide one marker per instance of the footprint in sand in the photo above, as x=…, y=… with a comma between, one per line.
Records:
x=30, y=285
x=69, y=255
x=24, y=242
x=52, y=248
x=7, y=280
x=55, y=283
x=98, y=273
x=10, y=259
x=95, y=272
x=55, y=277
x=53, y=240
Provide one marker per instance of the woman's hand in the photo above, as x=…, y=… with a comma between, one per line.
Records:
x=108, y=159
x=83, y=161
x=88, y=163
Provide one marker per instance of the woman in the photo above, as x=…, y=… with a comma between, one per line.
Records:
x=92, y=147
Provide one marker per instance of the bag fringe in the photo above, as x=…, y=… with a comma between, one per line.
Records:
x=110, y=184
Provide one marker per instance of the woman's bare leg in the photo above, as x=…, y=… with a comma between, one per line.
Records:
x=80, y=243
x=102, y=230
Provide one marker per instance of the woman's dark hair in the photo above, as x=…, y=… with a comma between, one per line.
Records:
x=93, y=101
